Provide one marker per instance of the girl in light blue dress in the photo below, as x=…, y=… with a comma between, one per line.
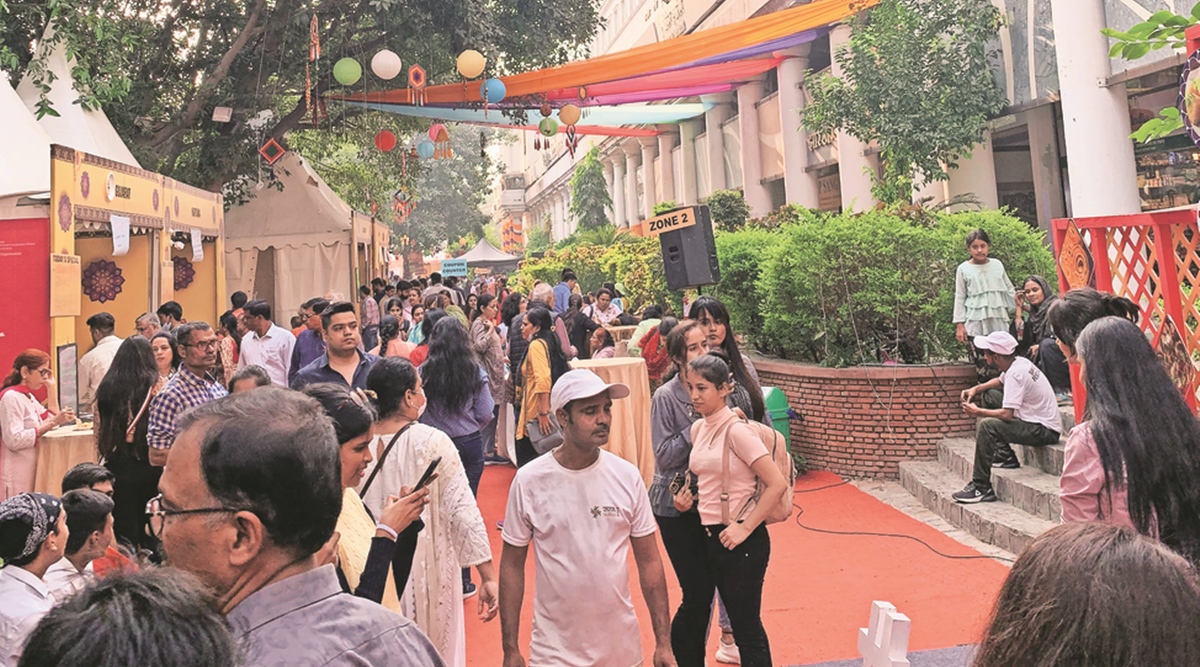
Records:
x=983, y=294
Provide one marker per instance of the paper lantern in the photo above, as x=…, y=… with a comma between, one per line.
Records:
x=436, y=130
x=425, y=149
x=471, y=63
x=569, y=114
x=546, y=109
x=492, y=91
x=386, y=65
x=441, y=141
x=347, y=71
x=548, y=127
x=385, y=141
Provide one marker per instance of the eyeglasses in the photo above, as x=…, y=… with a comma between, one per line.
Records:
x=158, y=515
x=205, y=344
x=45, y=372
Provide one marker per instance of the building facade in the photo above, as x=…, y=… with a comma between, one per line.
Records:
x=1062, y=147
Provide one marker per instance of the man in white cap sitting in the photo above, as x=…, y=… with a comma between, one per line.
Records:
x=582, y=508
x=1025, y=413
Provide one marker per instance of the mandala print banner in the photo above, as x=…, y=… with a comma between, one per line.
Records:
x=185, y=273
x=1074, y=260
x=102, y=280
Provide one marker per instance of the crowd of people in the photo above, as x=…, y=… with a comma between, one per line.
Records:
x=313, y=490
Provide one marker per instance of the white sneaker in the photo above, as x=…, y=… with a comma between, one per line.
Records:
x=728, y=653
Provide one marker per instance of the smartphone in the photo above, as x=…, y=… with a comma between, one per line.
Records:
x=424, y=481
x=678, y=482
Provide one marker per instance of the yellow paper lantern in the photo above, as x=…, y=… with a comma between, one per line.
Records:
x=471, y=63
x=569, y=114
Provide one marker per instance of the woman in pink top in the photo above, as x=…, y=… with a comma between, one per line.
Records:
x=23, y=421
x=737, y=546
x=1136, y=460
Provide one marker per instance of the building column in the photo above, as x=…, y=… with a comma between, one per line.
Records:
x=719, y=113
x=611, y=214
x=688, y=131
x=801, y=186
x=618, y=190
x=649, y=181
x=757, y=196
x=977, y=175
x=632, y=156
x=666, y=180
x=854, y=168
x=1047, y=165
x=1100, y=161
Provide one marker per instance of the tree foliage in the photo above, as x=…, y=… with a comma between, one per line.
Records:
x=1163, y=30
x=159, y=67
x=590, y=201
x=918, y=83
x=728, y=209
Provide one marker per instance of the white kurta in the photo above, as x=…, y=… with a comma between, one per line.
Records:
x=20, y=416
x=454, y=536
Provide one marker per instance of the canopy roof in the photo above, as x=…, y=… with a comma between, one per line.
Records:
x=616, y=86
x=25, y=157
x=305, y=212
x=87, y=131
x=486, y=254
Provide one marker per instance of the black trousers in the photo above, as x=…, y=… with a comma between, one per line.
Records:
x=1051, y=361
x=738, y=575
x=525, y=451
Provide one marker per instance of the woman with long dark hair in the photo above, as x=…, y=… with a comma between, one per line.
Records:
x=1073, y=311
x=391, y=344
x=166, y=356
x=543, y=364
x=122, y=419
x=455, y=535
x=459, y=399
x=367, y=549
x=1035, y=337
x=421, y=351
x=488, y=348
x=1136, y=459
x=1094, y=595
x=713, y=316
x=579, y=326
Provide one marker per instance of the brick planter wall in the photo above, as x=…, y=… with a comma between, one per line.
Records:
x=862, y=422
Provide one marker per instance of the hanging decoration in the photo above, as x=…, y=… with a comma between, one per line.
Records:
x=417, y=81
x=314, y=56
x=1075, y=260
x=545, y=110
x=347, y=71
x=386, y=65
x=425, y=149
x=482, y=145
x=271, y=151
x=385, y=140
x=185, y=273
x=569, y=115
x=440, y=137
x=491, y=91
x=102, y=280
x=548, y=128
x=471, y=63
x=402, y=203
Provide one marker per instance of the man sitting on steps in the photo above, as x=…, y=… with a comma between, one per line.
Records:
x=1025, y=413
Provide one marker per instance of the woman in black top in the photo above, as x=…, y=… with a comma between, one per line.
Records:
x=579, y=326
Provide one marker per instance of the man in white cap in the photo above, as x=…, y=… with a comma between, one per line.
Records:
x=1025, y=413
x=582, y=508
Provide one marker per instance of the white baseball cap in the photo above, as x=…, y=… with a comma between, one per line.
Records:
x=1000, y=342
x=582, y=383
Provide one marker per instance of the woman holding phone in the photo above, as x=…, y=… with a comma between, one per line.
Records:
x=454, y=536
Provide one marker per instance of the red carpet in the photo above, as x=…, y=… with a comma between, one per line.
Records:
x=819, y=587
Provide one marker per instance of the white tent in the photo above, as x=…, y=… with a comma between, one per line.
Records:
x=25, y=154
x=87, y=131
x=291, y=245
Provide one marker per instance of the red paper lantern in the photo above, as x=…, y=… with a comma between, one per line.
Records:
x=385, y=141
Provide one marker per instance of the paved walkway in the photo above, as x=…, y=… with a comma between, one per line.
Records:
x=819, y=586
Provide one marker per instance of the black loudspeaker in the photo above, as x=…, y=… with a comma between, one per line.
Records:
x=690, y=254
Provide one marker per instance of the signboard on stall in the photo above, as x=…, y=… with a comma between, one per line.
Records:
x=68, y=377
x=66, y=285
x=454, y=267
x=120, y=234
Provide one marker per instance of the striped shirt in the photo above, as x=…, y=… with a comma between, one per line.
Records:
x=184, y=392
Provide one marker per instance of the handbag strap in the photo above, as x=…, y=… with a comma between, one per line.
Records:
x=725, y=517
x=131, y=429
x=383, y=457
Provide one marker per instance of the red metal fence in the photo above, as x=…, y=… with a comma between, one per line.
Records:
x=1151, y=258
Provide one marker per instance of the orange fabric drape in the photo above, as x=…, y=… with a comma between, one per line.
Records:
x=643, y=59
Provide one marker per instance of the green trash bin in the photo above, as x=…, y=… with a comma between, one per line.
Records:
x=777, y=408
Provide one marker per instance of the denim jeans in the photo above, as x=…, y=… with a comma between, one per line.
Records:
x=992, y=433
x=470, y=450
x=489, y=433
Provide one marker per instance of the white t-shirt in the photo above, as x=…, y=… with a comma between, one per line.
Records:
x=1029, y=394
x=580, y=523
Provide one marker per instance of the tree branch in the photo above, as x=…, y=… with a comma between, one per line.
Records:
x=202, y=94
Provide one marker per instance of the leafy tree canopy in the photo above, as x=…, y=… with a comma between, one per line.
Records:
x=590, y=201
x=917, y=82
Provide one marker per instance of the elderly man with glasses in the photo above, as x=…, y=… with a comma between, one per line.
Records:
x=249, y=502
x=193, y=385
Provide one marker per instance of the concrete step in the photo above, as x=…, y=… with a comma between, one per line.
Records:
x=1048, y=459
x=999, y=523
x=1027, y=488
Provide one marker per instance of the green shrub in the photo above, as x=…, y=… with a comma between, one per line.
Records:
x=728, y=209
x=634, y=262
x=741, y=256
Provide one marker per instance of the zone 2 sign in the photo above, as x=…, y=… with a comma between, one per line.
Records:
x=670, y=221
